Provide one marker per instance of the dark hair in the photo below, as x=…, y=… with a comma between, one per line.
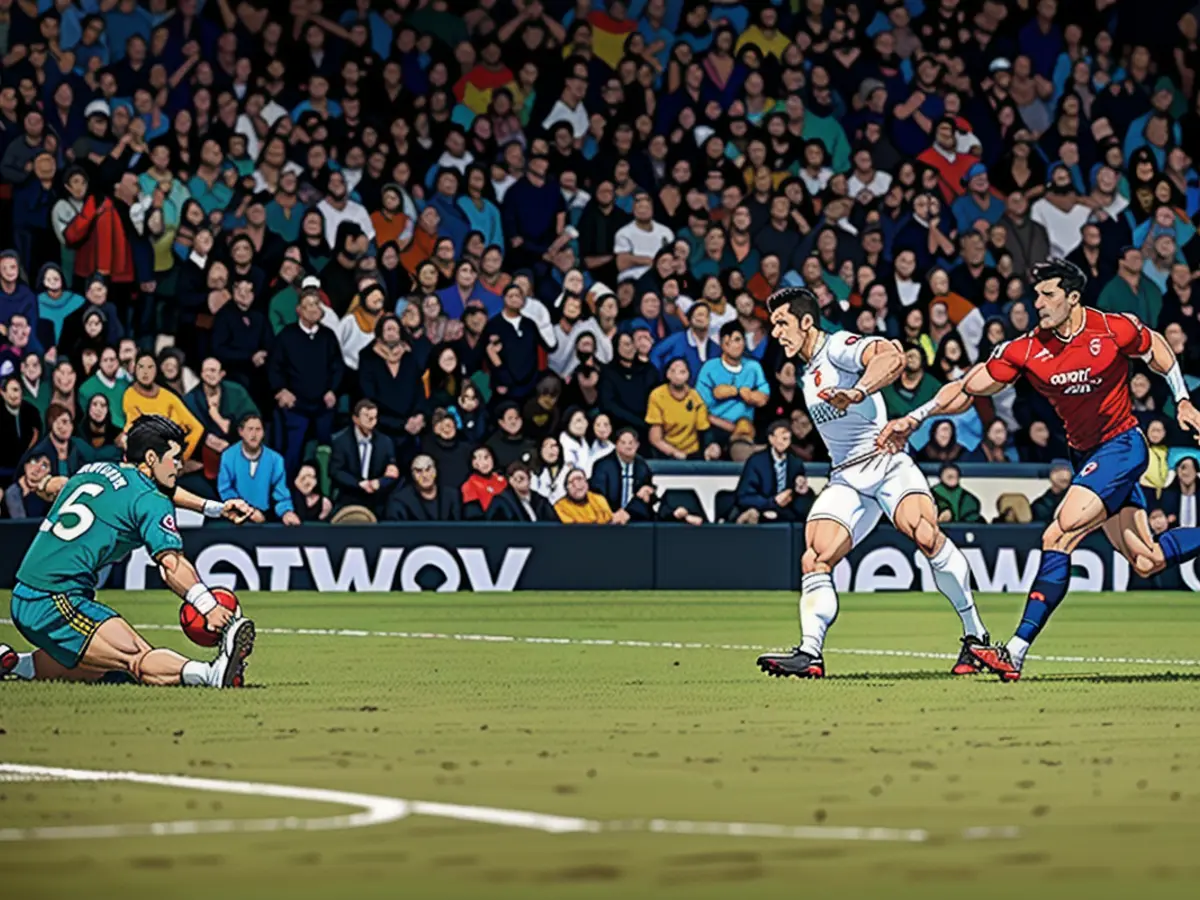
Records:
x=517, y=466
x=364, y=404
x=1070, y=277
x=248, y=417
x=621, y=432
x=9, y=379
x=729, y=329
x=800, y=301
x=55, y=410
x=152, y=433
x=777, y=424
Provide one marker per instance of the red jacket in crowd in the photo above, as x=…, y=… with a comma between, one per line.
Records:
x=101, y=245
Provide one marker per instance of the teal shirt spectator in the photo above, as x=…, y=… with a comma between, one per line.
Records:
x=967, y=211
x=212, y=198
x=377, y=27
x=279, y=223
x=748, y=374
x=56, y=309
x=486, y=220
x=830, y=133
x=335, y=109
x=265, y=488
x=172, y=204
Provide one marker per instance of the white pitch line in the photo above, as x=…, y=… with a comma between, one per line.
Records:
x=375, y=810
x=665, y=645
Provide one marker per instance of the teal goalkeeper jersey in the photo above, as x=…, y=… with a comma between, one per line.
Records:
x=103, y=513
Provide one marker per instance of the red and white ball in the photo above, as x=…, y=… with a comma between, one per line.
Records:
x=193, y=623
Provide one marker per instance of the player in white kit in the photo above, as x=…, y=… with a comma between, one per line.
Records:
x=842, y=376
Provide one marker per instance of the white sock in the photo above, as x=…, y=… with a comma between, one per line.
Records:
x=196, y=673
x=24, y=667
x=952, y=575
x=818, y=610
x=1017, y=648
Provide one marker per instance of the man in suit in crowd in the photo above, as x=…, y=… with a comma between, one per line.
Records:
x=623, y=479
x=520, y=502
x=363, y=466
x=773, y=486
x=422, y=500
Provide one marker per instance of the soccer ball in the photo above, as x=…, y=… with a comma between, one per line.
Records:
x=192, y=622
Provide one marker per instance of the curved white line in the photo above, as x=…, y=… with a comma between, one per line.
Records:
x=375, y=810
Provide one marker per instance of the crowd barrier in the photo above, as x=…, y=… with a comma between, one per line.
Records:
x=670, y=557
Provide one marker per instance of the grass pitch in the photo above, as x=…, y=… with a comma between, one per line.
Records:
x=1095, y=764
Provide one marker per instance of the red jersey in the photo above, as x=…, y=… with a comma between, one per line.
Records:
x=1085, y=377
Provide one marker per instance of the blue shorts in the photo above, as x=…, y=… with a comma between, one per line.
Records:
x=62, y=623
x=1113, y=469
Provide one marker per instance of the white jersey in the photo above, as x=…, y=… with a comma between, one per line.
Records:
x=849, y=434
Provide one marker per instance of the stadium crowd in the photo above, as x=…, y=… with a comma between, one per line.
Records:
x=439, y=259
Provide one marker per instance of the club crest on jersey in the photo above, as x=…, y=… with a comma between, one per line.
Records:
x=168, y=524
x=1094, y=346
x=1088, y=469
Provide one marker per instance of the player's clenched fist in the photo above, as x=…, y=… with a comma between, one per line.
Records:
x=895, y=434
x=1189, y=418
x=237, y=511
x=843, y=398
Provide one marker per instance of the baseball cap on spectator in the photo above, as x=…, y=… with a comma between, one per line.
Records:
x=974, y=171
x=1056, y=464
x=868, y=87
x=999, y=64
x=310, y=281
x=97, y=108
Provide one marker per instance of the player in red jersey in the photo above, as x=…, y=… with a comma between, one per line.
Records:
x=1078, y=359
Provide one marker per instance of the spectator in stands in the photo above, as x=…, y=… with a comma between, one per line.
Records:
x=1045, y=506
x=482, y=485
x=1178, y=500
x=513, y=341
x=626, y=384
x=678, y=418
x=1130, y=292
x=242, y=339
x=448, y=450
x=771, y=487
x=623, y=479
x=67, y=453
x=363, y=465
x=550, y=470
x=580, y=506
x=255, y=473
x=731, y=386
x=422, y=499
x=508, y=442
x=943, y=446
x=109, y=380
x=20, y=498
x=995, y=447
x=218, y=404
x=582, y=444
x=97, y=431
x=20, y=428
x=519, y=502
x=954, y=502
x=146, y=397
x=307, y=501
x=305, y=371
x=635, y=245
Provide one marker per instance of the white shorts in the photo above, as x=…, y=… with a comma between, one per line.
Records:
x=858, y=495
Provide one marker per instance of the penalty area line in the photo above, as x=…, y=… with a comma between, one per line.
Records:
x=665, y=645
x=377, y=810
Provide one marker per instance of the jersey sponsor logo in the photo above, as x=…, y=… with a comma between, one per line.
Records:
x=168, y=524
x=1094, y=346
x=1076, y=381
x=1088, y=469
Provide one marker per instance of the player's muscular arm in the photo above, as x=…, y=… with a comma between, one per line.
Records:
x=236, y=511
x=883, y=361
x=50, y=487
x=180, y=577
x=950, y=400
x=1162, y=360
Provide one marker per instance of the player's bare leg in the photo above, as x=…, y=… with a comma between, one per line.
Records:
x=1130, y=534
x=916, y=519
x=828, y=542
x=1080, y=513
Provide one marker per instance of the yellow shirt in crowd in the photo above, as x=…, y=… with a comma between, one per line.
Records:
x=164, y=403
x=681, y=420
x=592, y=511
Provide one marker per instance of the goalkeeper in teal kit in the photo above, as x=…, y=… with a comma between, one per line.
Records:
x=99, y=516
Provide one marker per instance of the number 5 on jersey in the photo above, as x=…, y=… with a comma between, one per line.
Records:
x=74, y=506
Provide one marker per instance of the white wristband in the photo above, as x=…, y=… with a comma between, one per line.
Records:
x=213, y=509
x=923, y=412
x=201, y=598
x=1175, y=382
